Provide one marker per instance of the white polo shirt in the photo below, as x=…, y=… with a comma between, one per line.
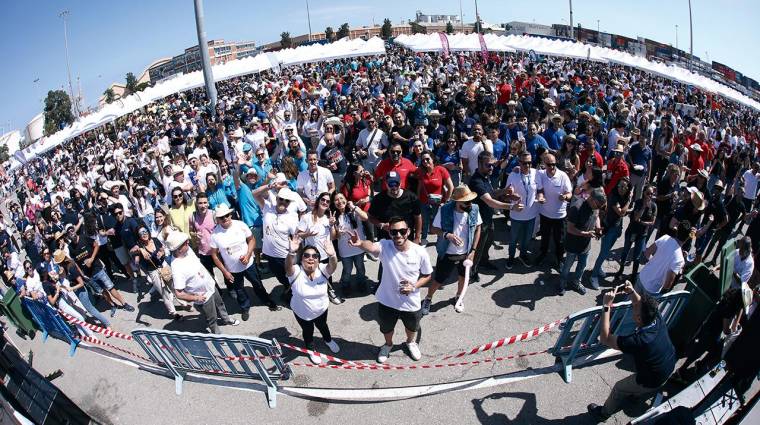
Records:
x=190, y=276
x=553, y=187
x=232, y=245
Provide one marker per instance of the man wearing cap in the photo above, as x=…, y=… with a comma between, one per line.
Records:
x=457, y=224
x=232, y=247
x=639, y=160
x=396, y=201
x=617, y=169
x=280, y=223
x=554, y=133
x=371, y=144
x=193, y=283
x=582, y=226
x=314, y=180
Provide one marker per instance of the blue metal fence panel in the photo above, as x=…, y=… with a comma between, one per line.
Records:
x=580, y=332
x=51, y=323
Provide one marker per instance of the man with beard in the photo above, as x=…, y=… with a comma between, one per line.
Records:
x=407, y=269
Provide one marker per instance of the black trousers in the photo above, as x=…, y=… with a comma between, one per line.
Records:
x=553, y=229
x=307, y=328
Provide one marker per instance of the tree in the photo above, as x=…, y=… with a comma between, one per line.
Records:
x=417, y=28
x=343, y=31
x=109, y=95
x=57, y=111
x=386, y=31
x=329, y=34
x=4, y=156
x=285, y=41
x=449, y=28
x=131, y=86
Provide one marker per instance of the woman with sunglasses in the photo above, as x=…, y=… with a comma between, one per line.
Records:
x=309, y=281
x=149, y=254
x=30, y=283
x=612, y=225
x=433, y=190
x=70, y=271
x=318, y=229
x=642, y=220
x=349, y=218
x=181, y=210
x=567, y=156
x=448, y=156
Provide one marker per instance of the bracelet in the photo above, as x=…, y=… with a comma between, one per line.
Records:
x=445, y=235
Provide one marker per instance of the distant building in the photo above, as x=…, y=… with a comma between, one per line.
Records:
x=421, y=18
x=219, y=51
x=522, y=28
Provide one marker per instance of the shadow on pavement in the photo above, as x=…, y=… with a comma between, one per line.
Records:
x=526, y=295
x=349, y=350
x=527, y=415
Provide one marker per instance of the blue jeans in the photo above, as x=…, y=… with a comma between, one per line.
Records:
x=348, y=264
x=521, y=232
x=570, y=258
x=237, y=285
x=102, y=280
x=638, y=242
x=608, y=241
x=428, y=214
x=84, y=298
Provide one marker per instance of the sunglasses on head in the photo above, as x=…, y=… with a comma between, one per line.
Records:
x=397, y=232
x=307, y=255
x=143, y=232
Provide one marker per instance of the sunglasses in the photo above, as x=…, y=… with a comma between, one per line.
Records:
x=551, y=164
x=260, y=154
x=118, y=212
x=177, y=196
x=397, y=232
x=286, y=201
x=307, y=255
x=395, y=152
x=324, y=201
x=224, y=217
x=525, y=163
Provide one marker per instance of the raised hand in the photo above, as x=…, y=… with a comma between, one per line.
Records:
x=295, y=242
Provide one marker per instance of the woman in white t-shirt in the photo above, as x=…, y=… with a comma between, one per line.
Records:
x=309, y=283
x=348, y=219
x=317, y=228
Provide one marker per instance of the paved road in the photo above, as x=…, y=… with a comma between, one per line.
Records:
x=502, y=304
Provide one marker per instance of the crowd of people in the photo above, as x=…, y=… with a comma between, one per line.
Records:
x=373, y=159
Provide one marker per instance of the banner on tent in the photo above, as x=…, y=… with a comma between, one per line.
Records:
x=483, y=47
x=444, y=44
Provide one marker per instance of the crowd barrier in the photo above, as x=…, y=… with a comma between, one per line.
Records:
x=580, y=332
x=10, y=307
x=231, y=356
x=51, y=323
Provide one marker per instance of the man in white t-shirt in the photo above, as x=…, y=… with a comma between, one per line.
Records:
x=744, y=264
x=458, y=225
x=193, y=283
x=471, y=148
x=665, y=262
x=554, y=191
x=314, y=180
x=371, y=144
x=233, y=241
x=750, y=179
x=406, y=268
x=522, y=187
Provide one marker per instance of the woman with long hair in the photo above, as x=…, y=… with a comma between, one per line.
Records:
x=181, y=210
x=448, y=156
x=433, y=190
x=612, y=225
x=567, y=157
x=150, y=255
x=317, y=228
x=349, y=219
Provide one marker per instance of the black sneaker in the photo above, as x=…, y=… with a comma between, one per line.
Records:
x=561, y=290
x=273, y=307
x=475, y=278
x=580, y=288
x=245, y=315
x=426, y=306
x=524, y=260
x=597, y=412
x=510, y=263
x=128, y=307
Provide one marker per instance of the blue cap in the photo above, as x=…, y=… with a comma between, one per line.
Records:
x=247, y=147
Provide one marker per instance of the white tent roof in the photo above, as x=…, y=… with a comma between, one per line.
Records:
x=457, y=42
x=313, y=53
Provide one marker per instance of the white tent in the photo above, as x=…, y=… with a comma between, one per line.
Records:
x=343, y=48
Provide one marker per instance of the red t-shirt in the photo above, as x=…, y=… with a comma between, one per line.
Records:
x=432, y=183
x=619, y=169
x=598, y=160
x=403, y=168
x=359, y=192
x=505, y=93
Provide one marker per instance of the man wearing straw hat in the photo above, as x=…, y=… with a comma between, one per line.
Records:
x=457, y=225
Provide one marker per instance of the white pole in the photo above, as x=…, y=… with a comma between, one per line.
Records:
x=572, y=31
x=308, y=17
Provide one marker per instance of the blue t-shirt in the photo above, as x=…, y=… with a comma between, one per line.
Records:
x=262, y=170
x=533, y=144
x=249, y=209
x=639, y=155
x=217, y=197
x=554, y=137
x=499, y=147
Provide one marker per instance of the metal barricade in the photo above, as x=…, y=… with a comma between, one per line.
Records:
x=51, y=323
x=219, y=355
x=580, y=332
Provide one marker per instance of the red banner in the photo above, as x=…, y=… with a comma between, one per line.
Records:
x=444, y=44
x=483, y=48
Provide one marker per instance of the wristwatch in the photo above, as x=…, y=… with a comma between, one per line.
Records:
x=606, y=309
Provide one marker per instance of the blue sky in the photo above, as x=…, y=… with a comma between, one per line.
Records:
x=108, y=39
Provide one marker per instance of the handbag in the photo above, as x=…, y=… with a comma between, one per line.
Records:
x=164, y=271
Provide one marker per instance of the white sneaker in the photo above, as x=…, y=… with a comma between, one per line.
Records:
x=385, y=351
x=315, y=358
x=333, y=346
x=459, y=307
x=233, y=322
x=414, y=350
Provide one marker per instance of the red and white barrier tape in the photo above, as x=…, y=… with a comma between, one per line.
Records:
x=93, y=340
x=422, y=366
x=325, y=356
x=98, y=329
x=508, y=340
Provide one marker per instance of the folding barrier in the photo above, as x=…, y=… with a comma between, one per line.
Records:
x=580, y=332
x=229, y=356
x=51, y=323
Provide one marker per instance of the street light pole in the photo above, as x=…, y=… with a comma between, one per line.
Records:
x=208, y=76
x=308, y=17
x=597, y=26
x=676, y=36
x=63, y=15
x=461, y=16
x=572, y=32
x=691, y=39
x=477, y=18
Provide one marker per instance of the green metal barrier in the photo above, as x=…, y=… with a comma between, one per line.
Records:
x=706, y=290
x=10, y=307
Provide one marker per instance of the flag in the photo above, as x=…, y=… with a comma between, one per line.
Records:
x=483, y=48
x=444, y=44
